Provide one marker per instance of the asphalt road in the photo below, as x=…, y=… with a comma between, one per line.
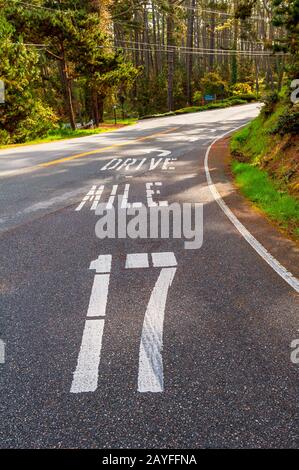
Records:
x=84, y=363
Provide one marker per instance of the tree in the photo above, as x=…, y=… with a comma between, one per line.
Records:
x=286, y=14
x=189, y=57
x=23, y=115
x=212, y=84
x=170, y=54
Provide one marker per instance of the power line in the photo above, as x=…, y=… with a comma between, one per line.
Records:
x=188, y=49
x=219, y=12
x=261, y=43
x=155, y=44
x=201, y=52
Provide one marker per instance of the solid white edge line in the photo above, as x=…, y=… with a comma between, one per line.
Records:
x=256, y=245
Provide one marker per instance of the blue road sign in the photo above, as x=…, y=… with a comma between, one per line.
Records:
x=210, y=97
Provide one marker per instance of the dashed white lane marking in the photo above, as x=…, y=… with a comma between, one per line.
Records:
x=166, y=258
x=256, y=245
x=87, y=370
x=150, y=374
x=99, y=295
x=137, y=260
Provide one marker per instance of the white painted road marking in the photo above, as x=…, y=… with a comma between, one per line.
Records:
x=89, y=196
x=150, y=374
x=112, y=197
x=133, y=164
x=162, y=153
x=87, y=371
x=167, y=162
x=86, y=374
x=97, y=198
x=99, y=295
x=94, y=195
x=102, y=264
x=256, y=245
x=151, y=192
x=2, y=352
x=137, y=260
x=163, y=259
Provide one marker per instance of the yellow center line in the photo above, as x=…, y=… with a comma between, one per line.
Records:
x=84, y=154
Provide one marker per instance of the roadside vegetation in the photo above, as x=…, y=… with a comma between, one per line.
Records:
x=70, y=68
x=266, y=161
x=266, y=152
x=68, y=133
x=225, y=103
x=269, y=196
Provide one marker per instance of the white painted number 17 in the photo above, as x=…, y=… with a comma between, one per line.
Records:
x=150, y=373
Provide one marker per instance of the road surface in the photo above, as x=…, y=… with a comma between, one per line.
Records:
x=121, y=343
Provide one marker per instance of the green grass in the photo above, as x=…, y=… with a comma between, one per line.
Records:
x=124, y=122
x=279, y=206
x=61, y=134
x=254, y=140
x=251, y=141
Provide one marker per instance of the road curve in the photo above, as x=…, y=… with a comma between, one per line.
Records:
x=137, y=343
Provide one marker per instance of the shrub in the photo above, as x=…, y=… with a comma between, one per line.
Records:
x=241, y=89
x=212, y=84
x=288, y=123
x=4, y=137
x=197, y=97
x=247, y=97
x=270, y=101
x=40, y=120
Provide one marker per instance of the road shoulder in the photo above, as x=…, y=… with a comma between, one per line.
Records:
x=282, y=248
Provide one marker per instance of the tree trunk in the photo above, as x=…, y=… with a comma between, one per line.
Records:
x=212, y=42
x=101, y=107
x=189, y=57
x=68, y=89
x=170, y=56
x=257, y=68
x=95, y=107
x=234, y=61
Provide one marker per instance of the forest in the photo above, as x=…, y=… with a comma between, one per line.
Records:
x=73, y=64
